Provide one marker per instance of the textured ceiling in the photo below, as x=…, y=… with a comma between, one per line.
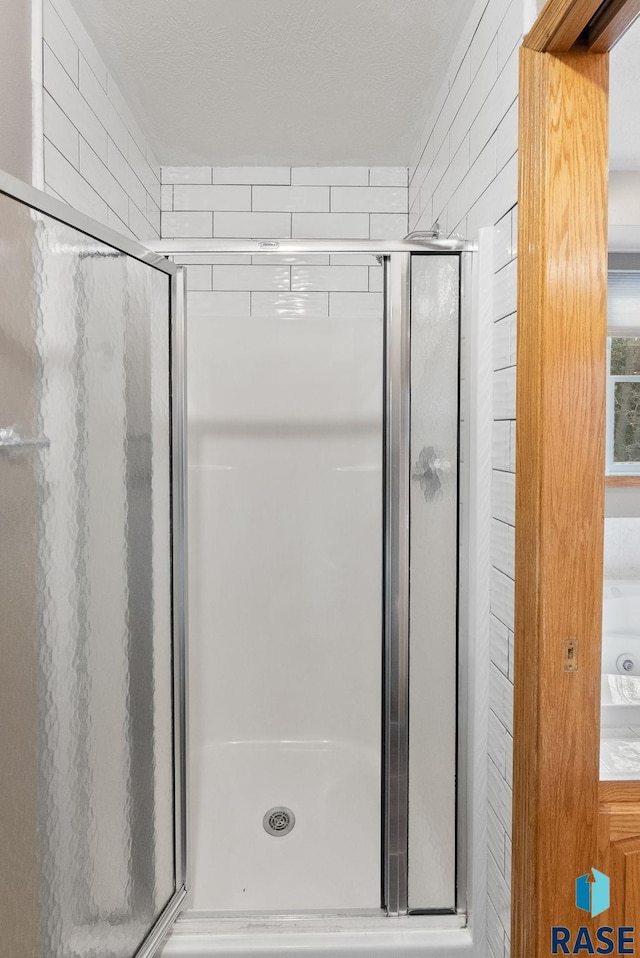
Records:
x=624, y=133
x=281, y=82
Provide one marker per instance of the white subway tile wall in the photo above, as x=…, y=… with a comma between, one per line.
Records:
x=464, y=176
x=194, y=197
x=332, y=175
x=346, y=278
x=293, y=199
x=95, y=156
x=283, y=203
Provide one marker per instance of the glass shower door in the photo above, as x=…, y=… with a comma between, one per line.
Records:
x=433, y=573
x=90, y=615
x=421, y=577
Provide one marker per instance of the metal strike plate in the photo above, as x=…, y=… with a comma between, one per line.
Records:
x=571, y=655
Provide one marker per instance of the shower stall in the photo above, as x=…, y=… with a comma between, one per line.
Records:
x=304, y=763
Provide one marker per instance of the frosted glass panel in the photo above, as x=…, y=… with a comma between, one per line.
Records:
x=435, y=293
x=285, y=604
x=85, y=581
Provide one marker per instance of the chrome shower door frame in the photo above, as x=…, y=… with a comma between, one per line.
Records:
x=396, y=579
x=398, y=474
x=41, y=203
x=396, y=257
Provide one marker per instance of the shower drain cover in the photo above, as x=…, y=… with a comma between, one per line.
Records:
x=278, y=821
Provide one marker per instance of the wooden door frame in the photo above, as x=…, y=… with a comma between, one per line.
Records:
x=562, y=276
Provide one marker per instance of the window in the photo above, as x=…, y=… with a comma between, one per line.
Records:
x=623, y=373
x=623, y=404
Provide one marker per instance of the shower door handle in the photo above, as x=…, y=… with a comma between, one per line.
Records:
x=429, y=471
x=12, y=442
x=429, y=464
x=437, y=465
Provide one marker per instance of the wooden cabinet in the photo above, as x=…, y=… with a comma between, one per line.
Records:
x=619, y=849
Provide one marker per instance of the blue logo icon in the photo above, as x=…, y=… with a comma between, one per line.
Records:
x=592, y=893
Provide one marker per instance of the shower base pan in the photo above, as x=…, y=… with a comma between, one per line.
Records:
x=376, y=937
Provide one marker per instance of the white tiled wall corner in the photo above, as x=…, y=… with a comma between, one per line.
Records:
x=464, y=176
x=388, y=176
x=95, y=156
x=276, y=203
x=185, y=174
x=471, y=133
x=622, y=548
x=192, y=224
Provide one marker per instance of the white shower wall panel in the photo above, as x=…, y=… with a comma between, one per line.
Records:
x=285, y=473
